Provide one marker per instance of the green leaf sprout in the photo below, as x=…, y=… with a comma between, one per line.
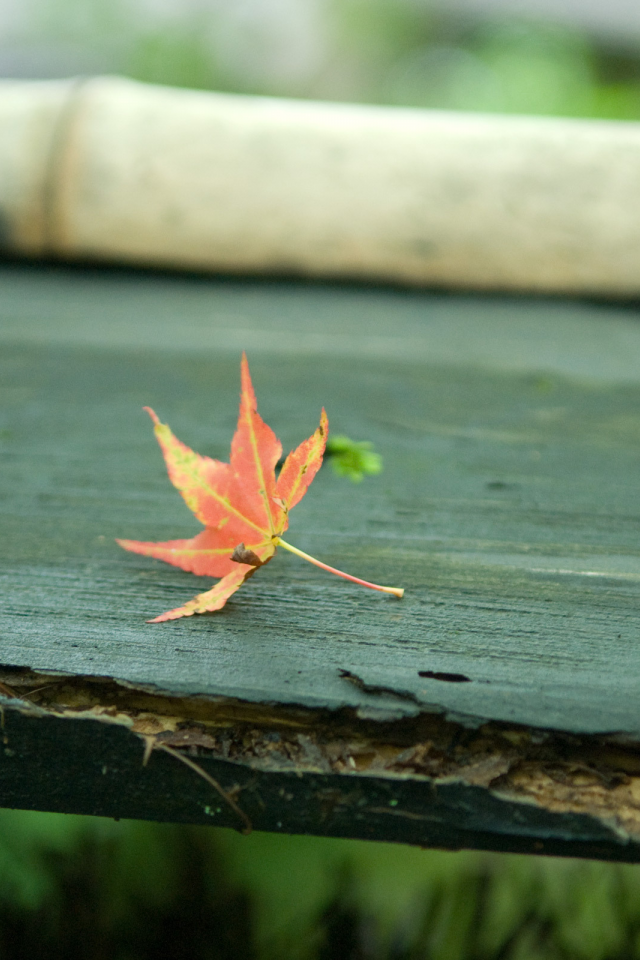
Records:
x=353, y=459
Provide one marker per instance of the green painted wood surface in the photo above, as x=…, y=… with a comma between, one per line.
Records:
x=509, y=505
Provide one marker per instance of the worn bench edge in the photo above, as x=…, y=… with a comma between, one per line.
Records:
x=83, y=761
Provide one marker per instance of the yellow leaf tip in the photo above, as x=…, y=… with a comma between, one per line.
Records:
x=164, y=617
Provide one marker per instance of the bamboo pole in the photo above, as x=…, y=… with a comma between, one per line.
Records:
x=108, y=169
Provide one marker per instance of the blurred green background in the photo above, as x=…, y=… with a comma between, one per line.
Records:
x=572, y=57
x=77, y=887
x=80, y=887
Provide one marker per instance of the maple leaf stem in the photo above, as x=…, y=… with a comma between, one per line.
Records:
x=396, y=591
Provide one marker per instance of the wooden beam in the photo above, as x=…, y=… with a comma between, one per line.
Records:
x=495, y=706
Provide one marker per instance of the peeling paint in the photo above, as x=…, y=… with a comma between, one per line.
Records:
x=592, y=775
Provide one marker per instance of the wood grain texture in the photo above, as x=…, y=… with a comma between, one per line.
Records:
x=508, y=507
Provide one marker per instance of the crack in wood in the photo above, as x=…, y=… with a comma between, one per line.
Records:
x=378, y=689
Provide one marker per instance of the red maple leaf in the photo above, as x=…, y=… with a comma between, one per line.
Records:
x=244, y=509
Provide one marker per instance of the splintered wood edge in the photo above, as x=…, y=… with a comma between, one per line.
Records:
x=594, y=776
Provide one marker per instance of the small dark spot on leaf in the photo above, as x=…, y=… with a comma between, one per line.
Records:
x=242, y=555
x=447, y=677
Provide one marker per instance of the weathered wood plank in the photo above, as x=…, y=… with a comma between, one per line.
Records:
x=508, y=506
x=95, y=768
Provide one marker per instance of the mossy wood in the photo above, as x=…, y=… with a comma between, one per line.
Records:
x=497, y=705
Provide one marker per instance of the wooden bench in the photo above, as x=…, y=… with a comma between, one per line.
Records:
x=496, y=706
